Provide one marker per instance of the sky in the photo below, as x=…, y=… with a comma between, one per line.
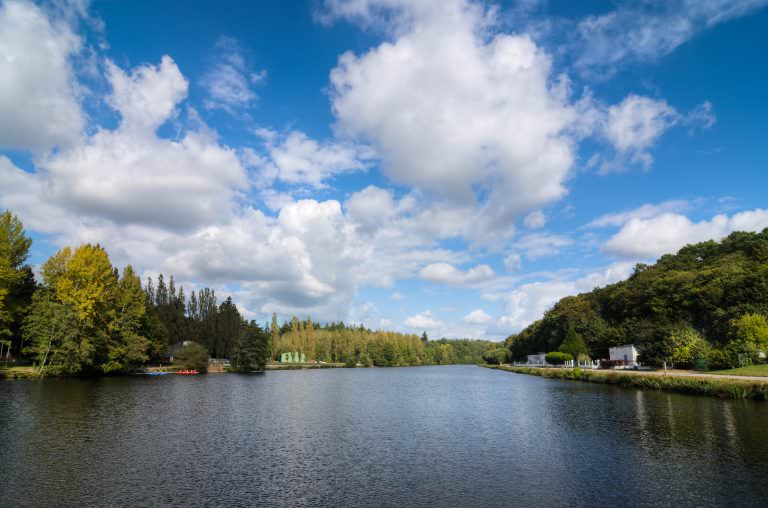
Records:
x=448, y=166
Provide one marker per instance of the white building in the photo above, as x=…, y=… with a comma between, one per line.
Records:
x=537, y=359
x=626, y=353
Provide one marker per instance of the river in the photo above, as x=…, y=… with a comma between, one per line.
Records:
x=421, y=436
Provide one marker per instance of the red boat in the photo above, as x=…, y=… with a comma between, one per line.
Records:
x=187, y=372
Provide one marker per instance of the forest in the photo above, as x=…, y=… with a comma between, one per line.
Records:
x=88, y=317
x=705, y=306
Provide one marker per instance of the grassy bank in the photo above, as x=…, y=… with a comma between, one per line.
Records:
x=725, y=388
x=752, y=370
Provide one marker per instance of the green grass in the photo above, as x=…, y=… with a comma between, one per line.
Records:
x=725, y=388
x=752, y=370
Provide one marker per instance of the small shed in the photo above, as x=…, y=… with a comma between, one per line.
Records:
x=626, y=353
x=537, y=359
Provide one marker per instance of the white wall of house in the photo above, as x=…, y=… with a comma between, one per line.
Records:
x=537, y=359
x=627, y=353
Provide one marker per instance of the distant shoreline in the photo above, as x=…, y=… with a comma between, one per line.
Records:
x=709, y=385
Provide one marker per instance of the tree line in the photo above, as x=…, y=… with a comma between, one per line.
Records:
x=357, y=345
x=705, y=306
x=86, y=316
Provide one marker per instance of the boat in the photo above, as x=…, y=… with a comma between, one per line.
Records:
x=187, y=372
x=158, y=373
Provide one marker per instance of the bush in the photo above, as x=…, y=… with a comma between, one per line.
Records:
x=192, y=356
x=558, y=358
x=496, y=356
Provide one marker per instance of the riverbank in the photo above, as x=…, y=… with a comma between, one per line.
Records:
x=692, y=384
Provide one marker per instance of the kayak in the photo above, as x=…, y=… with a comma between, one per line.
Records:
x=187, y=372
x=157, y=373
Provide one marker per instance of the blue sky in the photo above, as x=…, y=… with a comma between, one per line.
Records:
x=452, y=166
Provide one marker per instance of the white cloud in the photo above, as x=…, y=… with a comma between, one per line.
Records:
x=297, y=159
x=513, y=262
x=423, y=321
x=147, y=97
x=446, y=273
x=645, y=211
x=634, y=125
x=528, y=302
x=645, y=31
x=229, y=81
x=535, y=220
x=477, y=317
x=130, y=175
x=38, y=98
x=451, y=110
x=668, y=232
x=538, y=245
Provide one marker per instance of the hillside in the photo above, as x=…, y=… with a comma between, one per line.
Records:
x=708, y=301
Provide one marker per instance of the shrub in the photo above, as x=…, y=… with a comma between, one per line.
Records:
x=558, y=358
x=496, y=356
x=192, y=356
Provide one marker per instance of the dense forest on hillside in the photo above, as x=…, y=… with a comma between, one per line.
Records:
x=707, y=302
x=87, y=316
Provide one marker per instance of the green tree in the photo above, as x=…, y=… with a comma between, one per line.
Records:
x=574, y=345
x=193, y=356
x=16, y=279
x=751, y=333
x=128, y=347
x=252, y=348
x=51, y=330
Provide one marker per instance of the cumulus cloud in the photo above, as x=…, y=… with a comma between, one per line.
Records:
x=668, y=232
x=446, y=273
x=229, y=82
x=423, y=321
x=451, y=110
x=477, y=317
x=130, y=175
x=38, y=93
x=527, y=303
x=297, y=159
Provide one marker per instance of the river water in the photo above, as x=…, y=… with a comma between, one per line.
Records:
x=421, y=436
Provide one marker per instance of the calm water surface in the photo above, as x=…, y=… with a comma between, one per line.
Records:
x=427, y=436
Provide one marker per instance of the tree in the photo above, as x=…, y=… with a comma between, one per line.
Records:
x=252, y=348
x=128, y=346
x=424, y=337
x=574, y=345
x=17, y=282
x=83, y=279
x=751, y=333
x=51, y=330
x=193, y=356
x=227, y=329
x=275, y=335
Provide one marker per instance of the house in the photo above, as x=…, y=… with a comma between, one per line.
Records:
x=537, y=359
x=626, y=353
